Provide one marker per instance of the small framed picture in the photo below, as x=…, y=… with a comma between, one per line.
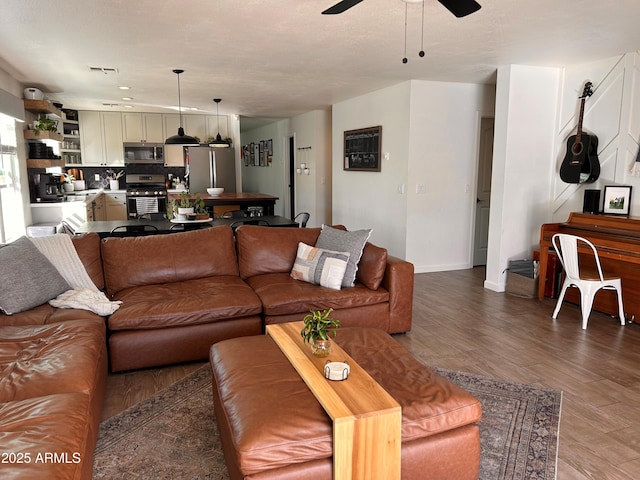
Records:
x=617, y=200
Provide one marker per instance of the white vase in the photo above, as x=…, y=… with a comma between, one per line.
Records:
x=67, y=187
x=114, y=184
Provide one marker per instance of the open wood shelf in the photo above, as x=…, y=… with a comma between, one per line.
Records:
x=43, y=135
x=44, y=162
x=42, y=106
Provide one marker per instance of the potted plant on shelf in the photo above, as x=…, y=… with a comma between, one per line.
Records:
x=185, y=205
x=317, y=330
x=44, y=124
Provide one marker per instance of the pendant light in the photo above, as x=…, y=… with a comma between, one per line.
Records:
x=181, y=138
x=219, y=142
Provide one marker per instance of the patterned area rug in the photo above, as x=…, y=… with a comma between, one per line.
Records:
x=173, y=435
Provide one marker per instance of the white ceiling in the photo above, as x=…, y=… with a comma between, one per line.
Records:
x=279, y=58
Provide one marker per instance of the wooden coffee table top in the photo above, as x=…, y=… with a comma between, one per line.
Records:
x=367, y=421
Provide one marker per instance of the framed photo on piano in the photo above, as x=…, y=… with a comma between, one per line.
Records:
x=617, y=200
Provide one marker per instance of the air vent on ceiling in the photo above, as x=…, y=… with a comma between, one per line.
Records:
x=104, y=70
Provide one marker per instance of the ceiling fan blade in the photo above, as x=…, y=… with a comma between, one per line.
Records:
x=341, y=7
x=461, y=8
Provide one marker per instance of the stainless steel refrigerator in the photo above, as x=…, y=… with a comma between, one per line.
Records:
x=211, y=167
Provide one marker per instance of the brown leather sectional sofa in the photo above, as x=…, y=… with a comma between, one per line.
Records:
x=183, y=292
x=180, y=294
x=53, y=373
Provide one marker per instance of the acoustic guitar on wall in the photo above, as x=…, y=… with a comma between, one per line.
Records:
x=581, y=164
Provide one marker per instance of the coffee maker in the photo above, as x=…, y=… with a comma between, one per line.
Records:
x=49, y=187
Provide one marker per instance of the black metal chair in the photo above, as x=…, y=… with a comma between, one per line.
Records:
x=302, y=218
x=249, y=221
x=183, y=227
x=133, y=230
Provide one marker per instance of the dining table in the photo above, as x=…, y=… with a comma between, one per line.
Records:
x=136, y=227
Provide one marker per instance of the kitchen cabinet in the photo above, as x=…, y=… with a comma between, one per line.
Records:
x=101, y=138
x=91, y=138
x=96, y=209
x=115, y=206
x=70, y=148
x=173, y=156
x=142, y=127
x=113, y=149
x=195, y=126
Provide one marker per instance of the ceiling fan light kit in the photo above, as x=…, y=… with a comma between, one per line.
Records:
x=180, y=138
x=459, y=8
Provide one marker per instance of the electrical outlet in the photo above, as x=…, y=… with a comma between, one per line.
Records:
x=96, y=177
x=421, y=188
x=400, y=188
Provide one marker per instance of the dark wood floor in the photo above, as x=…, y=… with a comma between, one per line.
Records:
x=460, y=325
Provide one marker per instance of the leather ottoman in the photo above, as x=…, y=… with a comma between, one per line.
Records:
x=272, y=427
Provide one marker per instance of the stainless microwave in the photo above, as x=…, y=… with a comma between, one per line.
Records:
x=143, y=152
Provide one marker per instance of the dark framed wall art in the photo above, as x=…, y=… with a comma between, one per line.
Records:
x=362, y=149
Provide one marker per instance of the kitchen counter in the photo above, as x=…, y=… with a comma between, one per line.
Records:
x=241, y=199
x=79, y=196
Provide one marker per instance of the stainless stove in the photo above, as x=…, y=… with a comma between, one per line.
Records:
x=146, y=194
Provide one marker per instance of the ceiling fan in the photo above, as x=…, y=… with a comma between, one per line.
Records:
x=460, y=8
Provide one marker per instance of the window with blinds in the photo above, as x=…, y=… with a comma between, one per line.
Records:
x=11, y=209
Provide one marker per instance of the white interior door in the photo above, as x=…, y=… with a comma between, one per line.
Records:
x=483, y=192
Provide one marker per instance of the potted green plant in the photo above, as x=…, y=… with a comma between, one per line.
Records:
x=317, y=330
x=44, y=124
x=186, y=205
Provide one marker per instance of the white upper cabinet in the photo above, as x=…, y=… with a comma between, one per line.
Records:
x=142, y=127
x=113, y=148
x=101, y=138
x=91, y=138
x=170, y=123
x=194, y=125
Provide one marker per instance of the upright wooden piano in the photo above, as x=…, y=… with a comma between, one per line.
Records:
x=617, y=240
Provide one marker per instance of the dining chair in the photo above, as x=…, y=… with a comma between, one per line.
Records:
x=249, y=221
x=302, y=218
x=131, y=230
x=566, y=246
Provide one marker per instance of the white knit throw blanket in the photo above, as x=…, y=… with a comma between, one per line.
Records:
x=85, y=295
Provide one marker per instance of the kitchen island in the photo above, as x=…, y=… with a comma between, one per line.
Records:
x=234, y=200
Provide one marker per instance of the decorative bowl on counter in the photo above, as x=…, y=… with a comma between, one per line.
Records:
x=215, y=191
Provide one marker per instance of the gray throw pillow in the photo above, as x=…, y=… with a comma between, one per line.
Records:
x=344, y=241
x=28, y=277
